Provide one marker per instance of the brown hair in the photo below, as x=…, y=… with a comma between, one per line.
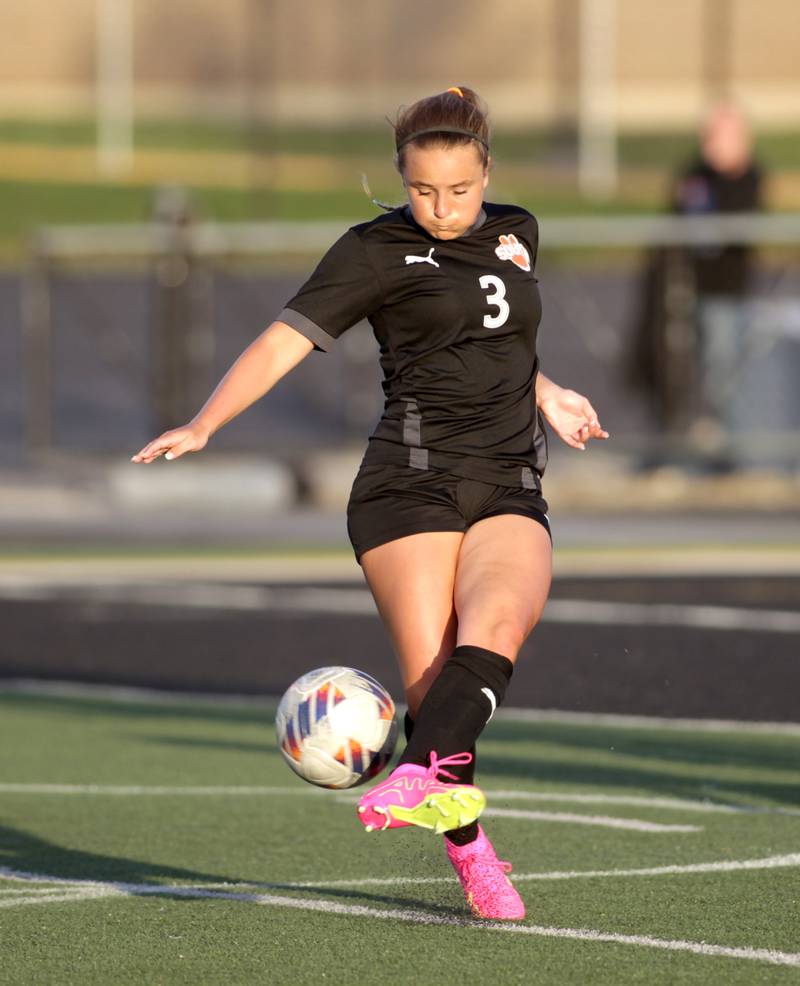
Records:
x=449, y=119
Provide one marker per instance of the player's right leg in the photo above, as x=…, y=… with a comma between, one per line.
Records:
x=412, y=579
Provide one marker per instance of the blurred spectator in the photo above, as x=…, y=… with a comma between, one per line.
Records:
x=692, y=334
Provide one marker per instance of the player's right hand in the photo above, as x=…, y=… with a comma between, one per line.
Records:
x=173, y=444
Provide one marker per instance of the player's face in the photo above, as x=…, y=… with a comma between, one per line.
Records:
x=445, y=188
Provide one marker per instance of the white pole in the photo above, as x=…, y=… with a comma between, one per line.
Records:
x=597, y=136
x=114, y=80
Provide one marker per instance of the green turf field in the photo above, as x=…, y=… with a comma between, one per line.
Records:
x=148, y=841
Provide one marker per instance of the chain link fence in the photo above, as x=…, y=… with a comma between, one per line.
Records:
x=124, y=330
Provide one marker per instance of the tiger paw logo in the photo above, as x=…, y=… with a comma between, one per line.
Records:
x=511, y=249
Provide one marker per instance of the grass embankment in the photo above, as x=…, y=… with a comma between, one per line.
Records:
x=49, y=175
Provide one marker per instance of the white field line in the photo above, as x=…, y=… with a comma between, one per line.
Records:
x=603, y=821
x=726, y=866
x=671, y=615
x=411, y=916
x=32, y=879
x=617, y=721
x=159, y=697
x=58, y=898
x=788, y=861
x=142, y=790
x=28, y=890
x=358, y=601
x=139, y=695
x=638, y=801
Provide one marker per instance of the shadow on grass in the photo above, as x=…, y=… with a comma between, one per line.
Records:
x=30, y=853
x=664, y=783
x=24, y=853
x=760, y=751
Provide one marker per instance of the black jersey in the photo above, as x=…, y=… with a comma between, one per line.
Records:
x=456, y=322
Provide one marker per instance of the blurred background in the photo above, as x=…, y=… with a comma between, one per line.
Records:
x=169, y=174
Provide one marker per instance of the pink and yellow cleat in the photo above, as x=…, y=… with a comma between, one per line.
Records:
x=489, y=892
x=414, y=795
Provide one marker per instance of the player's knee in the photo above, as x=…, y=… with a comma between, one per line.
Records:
x=507, y=639
x=504, y=635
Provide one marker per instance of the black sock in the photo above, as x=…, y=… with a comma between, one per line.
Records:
x=461, y=685
x=464, y=835
x=466, y=774
x=464, y=771
x=458, y=704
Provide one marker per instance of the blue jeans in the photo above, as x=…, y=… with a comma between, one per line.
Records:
x=723, y=322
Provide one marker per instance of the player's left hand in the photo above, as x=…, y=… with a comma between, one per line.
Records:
x=572, y=418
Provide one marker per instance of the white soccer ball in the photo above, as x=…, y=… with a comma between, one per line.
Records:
x=336, y=727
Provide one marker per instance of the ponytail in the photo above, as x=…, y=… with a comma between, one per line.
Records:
x=452, y=118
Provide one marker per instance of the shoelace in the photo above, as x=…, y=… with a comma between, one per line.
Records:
x=433, y=770
x=476, y=862
x=454, y=760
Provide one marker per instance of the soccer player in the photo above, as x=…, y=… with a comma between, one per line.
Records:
x=446, y=514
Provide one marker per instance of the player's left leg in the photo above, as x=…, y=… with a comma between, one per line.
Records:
x=509, y=555
x=411, y=579
x=502, y=582
x=500, y=589
x=501, y=586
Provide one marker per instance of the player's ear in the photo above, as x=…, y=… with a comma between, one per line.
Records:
x=486, y=168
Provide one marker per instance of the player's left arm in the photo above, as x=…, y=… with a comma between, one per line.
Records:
x=568, y=413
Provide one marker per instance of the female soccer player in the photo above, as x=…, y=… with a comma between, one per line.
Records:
x=446, y=514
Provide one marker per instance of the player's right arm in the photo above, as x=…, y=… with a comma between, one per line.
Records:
x=268, y=358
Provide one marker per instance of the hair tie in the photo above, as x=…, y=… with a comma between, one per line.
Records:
x=456, y=90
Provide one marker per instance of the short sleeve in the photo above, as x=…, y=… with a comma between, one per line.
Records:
x=532, y=235
x=343, y=289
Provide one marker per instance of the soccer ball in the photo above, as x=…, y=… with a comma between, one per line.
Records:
x=336, y=727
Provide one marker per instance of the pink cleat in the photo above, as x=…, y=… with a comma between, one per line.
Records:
x=489, y=892
x=414, y=795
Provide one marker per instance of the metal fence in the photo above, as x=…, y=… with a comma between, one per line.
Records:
x=125, y=329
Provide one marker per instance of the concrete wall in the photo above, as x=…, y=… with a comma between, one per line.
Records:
x=335, y=60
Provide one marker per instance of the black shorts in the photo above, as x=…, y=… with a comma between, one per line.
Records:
x=392, y=501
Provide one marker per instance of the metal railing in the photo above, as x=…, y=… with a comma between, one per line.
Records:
x=175, y=248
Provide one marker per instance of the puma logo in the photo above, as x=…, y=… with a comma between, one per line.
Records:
x=411, y=259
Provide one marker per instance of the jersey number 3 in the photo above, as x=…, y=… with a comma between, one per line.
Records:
x=497, y=298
